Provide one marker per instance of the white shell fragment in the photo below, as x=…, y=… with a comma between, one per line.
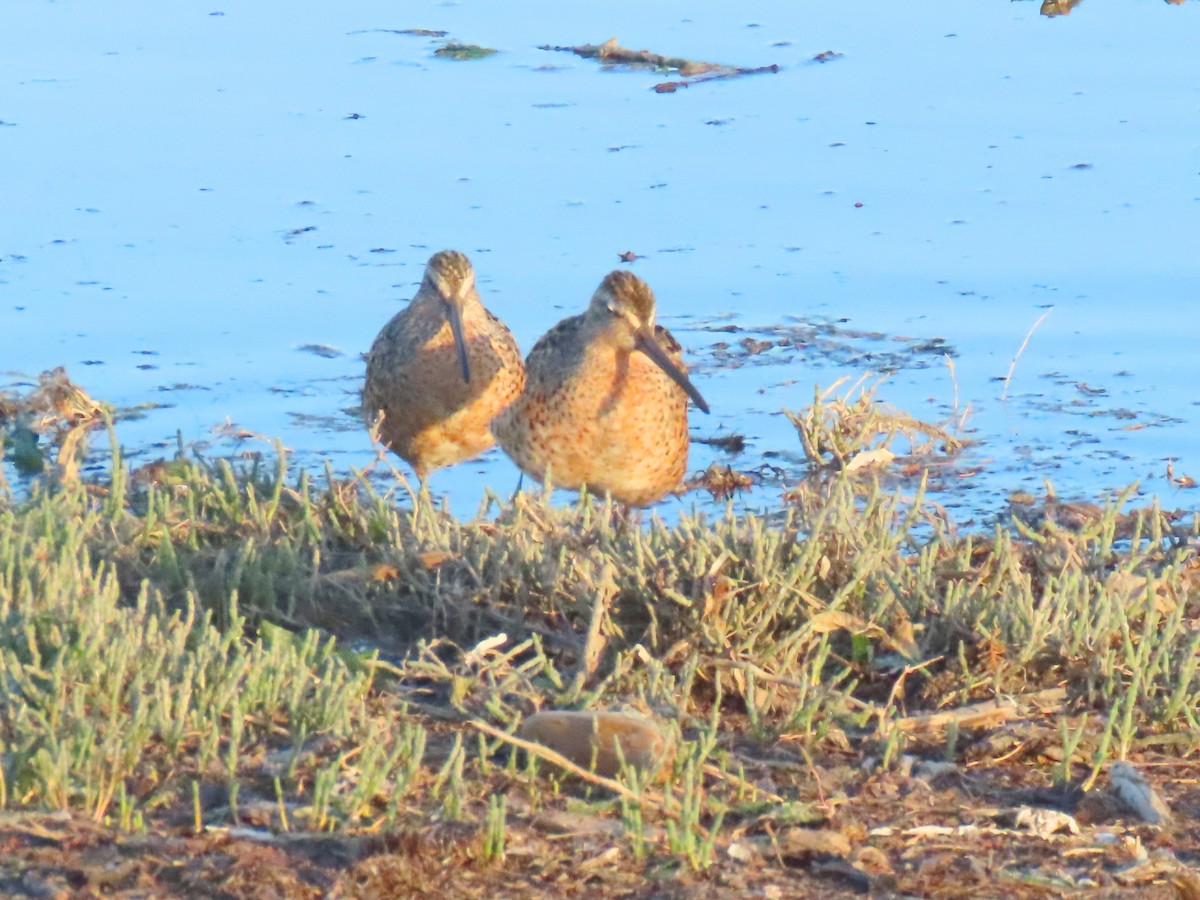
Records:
x=1131, y=786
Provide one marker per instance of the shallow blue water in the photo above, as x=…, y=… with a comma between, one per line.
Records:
x=192, y=192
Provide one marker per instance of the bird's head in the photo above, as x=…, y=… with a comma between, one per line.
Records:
x=449, y=277
x=623, y=307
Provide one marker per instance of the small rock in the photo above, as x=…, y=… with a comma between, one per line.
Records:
x=741, y=852
x=929, y=769
x=571, y=824
x=1131, y=786
x=795, y=841
x=872, y=860
x=599, y=740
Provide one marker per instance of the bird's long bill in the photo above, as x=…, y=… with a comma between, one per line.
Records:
x=454, y=314
x=648, y=345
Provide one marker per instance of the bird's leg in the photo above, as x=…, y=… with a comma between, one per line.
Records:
x=520, y=482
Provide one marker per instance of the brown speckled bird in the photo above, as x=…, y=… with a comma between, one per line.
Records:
x=605, y=405
x=441, y=369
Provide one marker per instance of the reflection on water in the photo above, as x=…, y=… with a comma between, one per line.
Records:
x=209, y=217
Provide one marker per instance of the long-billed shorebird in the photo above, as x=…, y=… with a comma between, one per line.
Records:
x=441, y=369
x=605, y=404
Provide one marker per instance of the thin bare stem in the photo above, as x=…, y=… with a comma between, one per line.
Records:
x=1020, y=350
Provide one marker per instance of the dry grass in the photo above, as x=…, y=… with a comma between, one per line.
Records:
x=190, y=649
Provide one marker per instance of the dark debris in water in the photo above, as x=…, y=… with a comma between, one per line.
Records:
x=292, y=233
x=1073, y=515
x=322, y=350
x=58, y=410
x=342, y=423
x=730, y=443
x=720, y=481
x=820, y=341
x=1052, y=8
x=134, y=413
x=463, y=52
x=408, y=32
x=183, y=386
x=1085, y=406
x=1180, y=481
x=612, y=54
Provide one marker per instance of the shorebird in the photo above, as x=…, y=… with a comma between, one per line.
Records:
x=605, y=404
x=441, y=370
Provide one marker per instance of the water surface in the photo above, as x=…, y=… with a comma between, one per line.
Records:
x=193, y=193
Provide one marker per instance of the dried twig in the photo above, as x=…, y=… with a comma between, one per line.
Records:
x=1020, y=350
x=593, y=648
x=987, y=714
x=741, y=783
